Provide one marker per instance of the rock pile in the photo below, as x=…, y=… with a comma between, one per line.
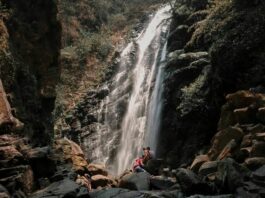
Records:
x=235, y=162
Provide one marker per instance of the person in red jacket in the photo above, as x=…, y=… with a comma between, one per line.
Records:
x=138, y=165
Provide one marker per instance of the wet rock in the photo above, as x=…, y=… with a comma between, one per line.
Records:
x=136, y=181
x=153, y=166
x=161, y=183
x=102, y=181
x=97, y=169
x=208, y=168
x=198, y=162
x=64, y=188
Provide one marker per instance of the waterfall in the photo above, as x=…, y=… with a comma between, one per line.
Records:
x=129, y=116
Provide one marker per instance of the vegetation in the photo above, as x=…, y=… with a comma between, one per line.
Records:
x=91, y=29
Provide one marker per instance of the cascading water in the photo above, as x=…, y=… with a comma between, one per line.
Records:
x=129, y=117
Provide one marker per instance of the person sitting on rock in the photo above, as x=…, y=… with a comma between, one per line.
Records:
x=138, y=165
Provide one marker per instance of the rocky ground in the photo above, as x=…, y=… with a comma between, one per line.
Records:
x=212, y=141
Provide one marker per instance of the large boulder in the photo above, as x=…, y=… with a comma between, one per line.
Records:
x=222, y=138
x=230, y=175
x=258, y=149
x=190, y=183
x=136, y=181
x=65, y=188
x=153, y=166
x=161, y=183
x=254, y=163
x=67, y=151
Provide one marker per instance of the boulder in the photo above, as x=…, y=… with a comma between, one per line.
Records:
x=253, y=129
x=64, y=188
x=208, y=168
x=258, y=149
x=190, y=183
x=259, y=174
x=254, y=162
x=153, y=166
x=247, y=141
x=261, y=114
x=67, y=151
x=259, y=136
x=227, y=117
x=244, y=115
x=230, y=175
x=97, y=169
x=161, y=183
x=102, y=181
x=198, y=161
x=228, y=149
x=136, y=181
x=242, y=99
x=222, y=138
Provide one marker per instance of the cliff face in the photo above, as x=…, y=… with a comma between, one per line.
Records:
x=222, y=51
x=30, y=47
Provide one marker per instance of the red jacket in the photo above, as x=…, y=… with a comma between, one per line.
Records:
x=138, y=162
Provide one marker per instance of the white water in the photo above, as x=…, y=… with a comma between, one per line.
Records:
x=129, y=118
x=134, y=134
